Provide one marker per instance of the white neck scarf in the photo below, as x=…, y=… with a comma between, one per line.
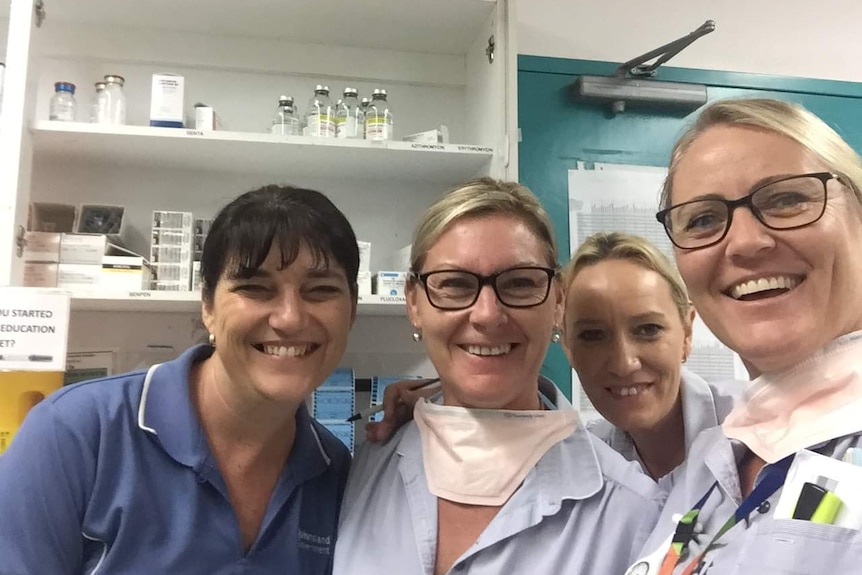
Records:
x=481, y=456
x=814, y=401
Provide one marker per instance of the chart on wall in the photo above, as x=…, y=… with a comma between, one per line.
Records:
x=607, y=197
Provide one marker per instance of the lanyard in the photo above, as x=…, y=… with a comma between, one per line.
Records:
x=684, y=534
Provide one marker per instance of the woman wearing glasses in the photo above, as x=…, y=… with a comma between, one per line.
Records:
x=627, y=332
x=765, y=211
x=494, y=475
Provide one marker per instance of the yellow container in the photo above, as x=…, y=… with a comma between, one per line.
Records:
x=19, y=392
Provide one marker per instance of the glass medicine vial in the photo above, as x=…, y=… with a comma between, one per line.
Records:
x=63, y=106
x=379, y=123
x=116, y=100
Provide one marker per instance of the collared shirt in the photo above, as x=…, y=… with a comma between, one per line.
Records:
x=577, y=512
x=762, y=545
x=116, y=476
x=704, y=405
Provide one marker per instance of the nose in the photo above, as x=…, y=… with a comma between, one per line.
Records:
x=625, y=359
x=487, y=311
x=747, y=236
x=288, y=313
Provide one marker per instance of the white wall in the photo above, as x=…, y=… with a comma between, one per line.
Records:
x=804, y=38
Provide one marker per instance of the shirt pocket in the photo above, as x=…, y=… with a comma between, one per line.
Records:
x=794, y=547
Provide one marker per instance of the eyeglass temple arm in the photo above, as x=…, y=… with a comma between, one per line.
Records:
x=639, y=67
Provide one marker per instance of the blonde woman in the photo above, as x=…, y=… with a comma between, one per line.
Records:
x=495, y=474
x=627, y=332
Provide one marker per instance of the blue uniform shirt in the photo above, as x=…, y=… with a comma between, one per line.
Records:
x=116, y=476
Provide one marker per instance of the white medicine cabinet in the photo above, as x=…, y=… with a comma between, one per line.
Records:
x=442, y=62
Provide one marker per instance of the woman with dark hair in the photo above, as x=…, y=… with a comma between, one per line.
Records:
x=209, y=461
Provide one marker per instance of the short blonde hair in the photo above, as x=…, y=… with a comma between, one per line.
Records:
x=605, y=246
x=478, y=198
x=779, y=117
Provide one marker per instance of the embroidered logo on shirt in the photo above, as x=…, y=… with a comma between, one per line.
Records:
x=315, y=543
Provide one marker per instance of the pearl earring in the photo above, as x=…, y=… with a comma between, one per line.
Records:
x=555, y=334
x=211, y=339
x=417, y=335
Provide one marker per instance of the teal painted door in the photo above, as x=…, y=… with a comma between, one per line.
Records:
x=556, y=133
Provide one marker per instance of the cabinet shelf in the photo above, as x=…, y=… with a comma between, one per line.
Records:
x=241, y=152
x=190, y=302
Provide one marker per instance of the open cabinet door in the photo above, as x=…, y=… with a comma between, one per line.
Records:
x=491, y=88
x=16, y=150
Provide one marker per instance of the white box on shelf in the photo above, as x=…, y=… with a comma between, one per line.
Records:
x=401, y=258
x=42, y=247
x=167, y=101
x=82, y=248
x=437, y=136
x=40, y=274
x=124, y=273
x=363, y=281
x=76, y=275
x=390, y=283
x=364, y=256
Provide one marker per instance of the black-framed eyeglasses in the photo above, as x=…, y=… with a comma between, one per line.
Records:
x=519, y=287
x=784, y=204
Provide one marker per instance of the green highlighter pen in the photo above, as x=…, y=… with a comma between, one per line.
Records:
x=817, y=502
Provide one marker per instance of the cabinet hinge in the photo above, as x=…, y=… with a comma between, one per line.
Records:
x=39, y=12
x=20, y=240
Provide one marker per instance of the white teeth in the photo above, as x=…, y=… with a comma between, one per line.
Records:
x=484, y=350
x=764, y=284
x=290, y=351
x=627, y=391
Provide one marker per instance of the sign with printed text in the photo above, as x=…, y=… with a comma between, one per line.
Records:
x=34, y=329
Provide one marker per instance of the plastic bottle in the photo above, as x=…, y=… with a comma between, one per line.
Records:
x=319, y=117
x=97, y=107
x=379, y=123
x=63, y=106
x=285, y=122
x=116, y=100
x=349, y=119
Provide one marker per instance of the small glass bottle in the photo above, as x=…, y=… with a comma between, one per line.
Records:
x=285, y=122
x=363, y=108
x=63, y=106
x=116, y=100
x=98, y=98
x=348, y=119
x=319, y=117
x=379, y=123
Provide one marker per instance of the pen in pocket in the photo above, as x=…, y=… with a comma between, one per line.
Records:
x=817, y=502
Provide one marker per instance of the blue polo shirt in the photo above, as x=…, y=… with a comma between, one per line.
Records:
x=116, y=476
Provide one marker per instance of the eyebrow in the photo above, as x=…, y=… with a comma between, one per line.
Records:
x=648, y=316
x=325, y=273
x=758, y=184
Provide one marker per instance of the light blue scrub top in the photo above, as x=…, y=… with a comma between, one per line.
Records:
x=704, y=405
x=578, y=512
x=762, y=545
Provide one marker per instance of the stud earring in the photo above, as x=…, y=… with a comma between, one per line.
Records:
x=211, y=339
x=555, y=334
x=417, y=335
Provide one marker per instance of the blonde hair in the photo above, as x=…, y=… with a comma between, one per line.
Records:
x=782, y=118
x=477, y=198
x=605, y=246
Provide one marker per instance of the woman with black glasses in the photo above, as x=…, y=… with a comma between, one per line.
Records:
x=764, y=208
x=495, y=474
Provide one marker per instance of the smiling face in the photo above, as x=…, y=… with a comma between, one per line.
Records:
x=624, y=336
x=280, y=332
x=488, y=355
x=774, y=297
